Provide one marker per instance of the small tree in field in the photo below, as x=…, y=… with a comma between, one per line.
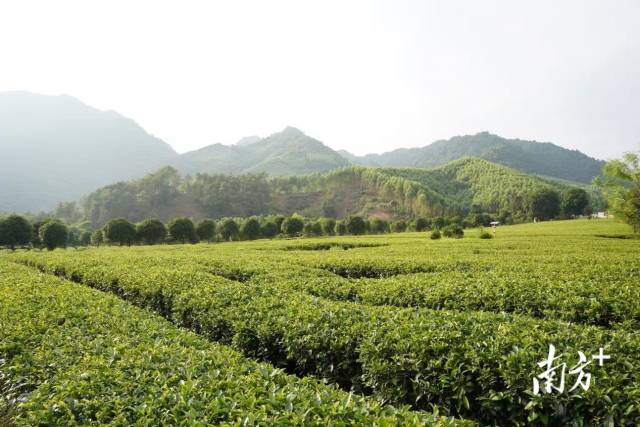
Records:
x=151, y=231
x=206, y=230
x=181, y=229
x=292, y=226
x=341, y=228
x=250, y=229
x=422, y=224
x=97, y=238
x=54, y=234
x=328, y=226
x=269, y=229
x=120, y=231
x=379, y=226
x=355, y=225
x=545, y=204
x=574, y=202
x=15, y=231
x=399, y=226
x=228, y=229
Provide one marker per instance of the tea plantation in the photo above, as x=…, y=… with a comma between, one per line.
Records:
x=375, y=330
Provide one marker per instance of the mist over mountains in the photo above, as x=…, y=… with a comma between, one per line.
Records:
x=56, y=148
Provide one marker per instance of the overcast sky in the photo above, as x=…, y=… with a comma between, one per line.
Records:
x=366, y=76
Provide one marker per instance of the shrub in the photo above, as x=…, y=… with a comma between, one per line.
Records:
x=269, y=229
x=454, y=231
x=206, y=230
x=15, y=231
x=181, y=229
x=228, y=229
x=435, y=235
x=355, y=225
x=151, y=231
x=119, y=231
x=399, y=226
x=485, y=234
x=54, y=234
x=250, y=229
x=292, y=226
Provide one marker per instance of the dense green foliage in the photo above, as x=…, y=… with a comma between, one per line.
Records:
x=206, y=230
x=574, y=202
x=15, y=230
x=119, y=231
x=621, y=183
x=151, y=231
x=53, y=234
x=460, y=324
x=182, y=230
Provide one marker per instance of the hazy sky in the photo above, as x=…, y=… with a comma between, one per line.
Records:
x=367, y=76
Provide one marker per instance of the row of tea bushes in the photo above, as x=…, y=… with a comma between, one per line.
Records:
x=70, y=355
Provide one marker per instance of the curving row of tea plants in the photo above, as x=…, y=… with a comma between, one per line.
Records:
x=458, y=326
x=71, y=355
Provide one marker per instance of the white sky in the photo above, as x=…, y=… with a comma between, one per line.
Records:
x=366, y=76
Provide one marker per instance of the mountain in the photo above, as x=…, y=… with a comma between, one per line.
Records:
x=56, y=148
x=289, y=152
x=544, y=159
x=463, y=186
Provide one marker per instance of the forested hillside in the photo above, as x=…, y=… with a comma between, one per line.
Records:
x=467, y=185
x=537, y=158
x=55, y=148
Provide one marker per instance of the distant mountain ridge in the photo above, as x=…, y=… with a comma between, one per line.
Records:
x=55, y=148
x=289, y=152
x=533, y=157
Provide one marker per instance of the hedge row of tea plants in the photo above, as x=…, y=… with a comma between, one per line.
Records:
x=470, y=364
x=70, y=355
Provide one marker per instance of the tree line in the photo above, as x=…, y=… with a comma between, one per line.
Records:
x=17, y=231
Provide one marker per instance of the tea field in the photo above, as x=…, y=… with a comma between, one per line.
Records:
x=384, y=330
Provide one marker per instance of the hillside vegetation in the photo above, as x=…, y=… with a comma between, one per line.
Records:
x=529, y=156
x=461, y=187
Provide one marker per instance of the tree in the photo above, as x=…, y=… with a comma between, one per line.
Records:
x=15, y=231
x=119, y=231
x=453, y=230
x=228, y=229
x=422, y=224
x=378, y=226
x=341, y=228
x=621, y=185
x=250, y=229
x=292, y=226
x=399, y=226
x=269, y=229
x=97, y=238
x=206, y=230
x=181, y=229
x=439, y=222
x=545, y=204
x=85, y=238
x=54, y=234
x=312, y=228
x=574, y=202
x=151, y=231
x=355, y=225
x=73, y=238
x=328, y=226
